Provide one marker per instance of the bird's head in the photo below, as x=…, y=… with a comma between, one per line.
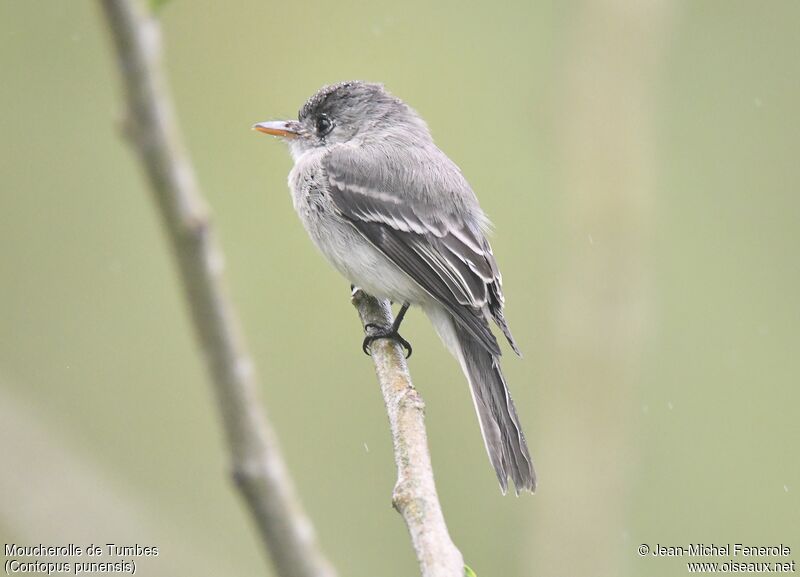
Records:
x=349, y=112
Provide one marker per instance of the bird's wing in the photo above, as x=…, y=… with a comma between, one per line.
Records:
x=429, y=229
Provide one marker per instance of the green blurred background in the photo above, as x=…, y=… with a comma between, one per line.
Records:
x=639, y=161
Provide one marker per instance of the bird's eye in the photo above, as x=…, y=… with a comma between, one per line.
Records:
x=324, y=124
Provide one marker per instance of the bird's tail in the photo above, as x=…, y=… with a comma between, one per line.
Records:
x=502, y=434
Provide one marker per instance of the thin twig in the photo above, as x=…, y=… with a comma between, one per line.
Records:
x=258, y=467
x=414, y=495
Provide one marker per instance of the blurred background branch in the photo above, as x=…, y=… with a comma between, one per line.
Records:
x=258, y=467
x=602, y=307
x=414, y=495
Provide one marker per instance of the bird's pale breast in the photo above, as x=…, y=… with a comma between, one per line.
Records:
x=344, y=247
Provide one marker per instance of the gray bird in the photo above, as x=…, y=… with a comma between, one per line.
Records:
x=397, y=218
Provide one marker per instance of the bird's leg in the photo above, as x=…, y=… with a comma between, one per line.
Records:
x=379, y=332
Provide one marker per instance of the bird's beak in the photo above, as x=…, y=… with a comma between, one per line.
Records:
x=283, y=128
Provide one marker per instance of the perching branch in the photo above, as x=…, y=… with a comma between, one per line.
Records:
x=258, y=467
x=414, y=495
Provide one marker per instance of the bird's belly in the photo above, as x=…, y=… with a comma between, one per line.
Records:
x=344, y=247
x=360, y=262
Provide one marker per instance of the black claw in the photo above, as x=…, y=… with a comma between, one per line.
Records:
x=384, y=333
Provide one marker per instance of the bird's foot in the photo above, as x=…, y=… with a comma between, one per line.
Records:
x=379, y=332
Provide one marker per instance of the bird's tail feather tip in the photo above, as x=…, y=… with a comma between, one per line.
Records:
x=528, y=484
x=523, y=480
x=499, y=423
x=500, y=426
